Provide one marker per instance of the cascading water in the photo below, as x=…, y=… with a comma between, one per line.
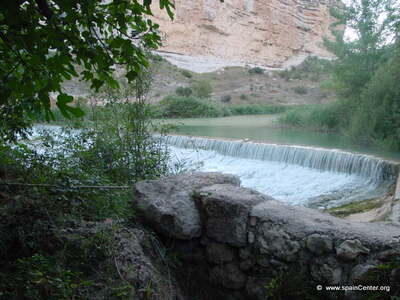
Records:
x=294, y=174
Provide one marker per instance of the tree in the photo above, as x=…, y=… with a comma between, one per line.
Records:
x=377, y=119
x=366, y=72
x=44, y=42
x=373, y=25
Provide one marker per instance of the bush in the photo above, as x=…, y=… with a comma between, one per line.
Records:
x=202, y=89
x=243, y=96
x=301, y=90
x=184, y=91
x=187, y=107
x=256, y=70
x=285, y=74
x=256, y=109
x=226, y=98
x=323, y=117
x=375, y=118
x=187, y=73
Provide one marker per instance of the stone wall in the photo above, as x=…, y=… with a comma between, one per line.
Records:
x=236, y=243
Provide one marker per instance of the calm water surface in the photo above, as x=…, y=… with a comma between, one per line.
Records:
x=264, y=128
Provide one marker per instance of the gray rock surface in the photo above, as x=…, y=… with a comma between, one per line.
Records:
x=319, y=243
x=229, y=276
x=359, y=272
x=350, y=249
x=167, y=204
x=249, y=240
x=226, y=210
x=219, y=253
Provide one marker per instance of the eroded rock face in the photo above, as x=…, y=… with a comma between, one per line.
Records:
x=263, y=32
x=246, y=240
x=168, y=205
x=226, y=209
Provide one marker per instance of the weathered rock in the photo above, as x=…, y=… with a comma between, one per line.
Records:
x=395, y=275
x=247, y=264
x=300, y=222
x=255, y=288
x=360, y=272
x=319, y=244
x=219, y=253
x=266, y=32
x=326, y=270
x=226, y=210
x=388, y=255
x=244, y=253
x=273, y=238
x=350, y=249
x=276, y=242
x=168, y=205
x=229, y=276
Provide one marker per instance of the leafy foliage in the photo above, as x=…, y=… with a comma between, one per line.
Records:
x=256, y=70
x=377, y=115
x=186, y=107
x=358, y=59
x=43, y=42
x=183, y=91
x=365, y=77
x=202, y=89
x=114, y=148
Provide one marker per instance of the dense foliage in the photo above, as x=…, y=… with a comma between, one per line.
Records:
x=44, y=42
x=174, y=106
x=66, y=177
x=365, y=77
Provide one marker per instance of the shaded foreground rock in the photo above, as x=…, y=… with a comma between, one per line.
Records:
x=246, y=243
x=167, y=204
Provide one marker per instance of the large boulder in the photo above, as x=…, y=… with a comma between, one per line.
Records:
x=167, y=204
x=226, y=211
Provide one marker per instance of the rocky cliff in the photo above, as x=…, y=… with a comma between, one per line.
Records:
x=272, y=33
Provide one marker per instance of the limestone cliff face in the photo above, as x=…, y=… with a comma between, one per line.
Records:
x=262, y=32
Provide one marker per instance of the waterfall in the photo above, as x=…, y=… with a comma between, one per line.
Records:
x=372, y=169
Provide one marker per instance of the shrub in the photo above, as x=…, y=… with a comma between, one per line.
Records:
x=186, y=107
x=202, y=89
x=226, y=98
x=187, y=73
x=184, y=91
x=256, y=109
x=285, y=74
x=323, y=117
x=256, y=70
x=301, y=90
x=243, y=96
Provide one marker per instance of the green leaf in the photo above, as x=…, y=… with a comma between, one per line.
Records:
x=65, y=109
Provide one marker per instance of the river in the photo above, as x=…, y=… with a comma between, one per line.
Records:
x=322, y=170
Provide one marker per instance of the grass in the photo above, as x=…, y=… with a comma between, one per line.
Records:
x=355, y=207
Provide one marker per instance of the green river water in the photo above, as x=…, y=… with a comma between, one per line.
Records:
x=264, y=128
